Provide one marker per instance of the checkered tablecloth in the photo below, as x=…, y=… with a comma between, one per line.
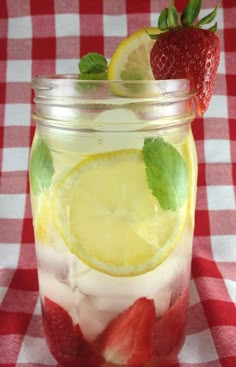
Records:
x=50, y=36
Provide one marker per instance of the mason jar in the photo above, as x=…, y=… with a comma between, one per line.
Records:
x=113, y=173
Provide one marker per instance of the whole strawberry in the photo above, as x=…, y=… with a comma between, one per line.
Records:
x=187, y=51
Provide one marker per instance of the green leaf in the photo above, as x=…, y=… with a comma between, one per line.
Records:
x=208, y=18
x=153, y=36
x=93, y=76
x=191, y=12
x=93, y=62
x=167, y=173
x=172, y=16
x=162, y=20
x=213, y=28
x=41, y=167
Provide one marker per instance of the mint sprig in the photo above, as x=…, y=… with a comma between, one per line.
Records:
x=167, y=173
x=41, y=169
x=93, y=66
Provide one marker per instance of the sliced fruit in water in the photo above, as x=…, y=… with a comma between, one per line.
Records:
x=65, y=340
x=127, y=340
x=107, y=215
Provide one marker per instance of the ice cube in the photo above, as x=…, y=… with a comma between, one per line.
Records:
x=94, y=283
x=57, y=291
x=92, y=321
x=60, y=293
x=113, y=305
x=53, y=259
x=162, y=301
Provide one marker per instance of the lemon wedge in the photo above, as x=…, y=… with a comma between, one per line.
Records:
x=109, y=218
x=131, y=60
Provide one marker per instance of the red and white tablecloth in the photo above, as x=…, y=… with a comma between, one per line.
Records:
x=50, y=36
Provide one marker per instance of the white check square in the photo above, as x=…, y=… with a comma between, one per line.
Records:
x=221, y=68
x=12, y=206
x=67, y=25
x=195, y=350
x=67, y=66
x=15, y=159
x=231, y=287
x=223, y=248
x=9, y=255
x=115, y=25
x=20, y=27
x=19, y=70
x=34, y=350
x=218, y=107
x=17, y=114
x=217, y=151
x=220, y=197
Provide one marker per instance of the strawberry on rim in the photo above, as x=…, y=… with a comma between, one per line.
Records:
x=185, y=50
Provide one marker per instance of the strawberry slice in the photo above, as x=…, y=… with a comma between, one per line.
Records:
x=128, y=338
x=169, y=330
x=65, y=340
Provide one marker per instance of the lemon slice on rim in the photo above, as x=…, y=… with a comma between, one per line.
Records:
x=131, y=60
x=109, y=218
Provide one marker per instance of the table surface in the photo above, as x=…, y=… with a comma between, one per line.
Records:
x=43, y=37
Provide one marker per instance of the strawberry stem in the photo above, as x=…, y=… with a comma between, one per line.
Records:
x=169, y=17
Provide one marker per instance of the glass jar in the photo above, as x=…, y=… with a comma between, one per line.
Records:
x=113, y=173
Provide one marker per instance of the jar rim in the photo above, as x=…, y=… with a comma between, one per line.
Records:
x=64, y=78
x=60, y=98
x=68, y=86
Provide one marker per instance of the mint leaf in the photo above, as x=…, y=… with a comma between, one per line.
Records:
x=93, y=62
x=41, y=167
x=93, y=76
x=167, y=173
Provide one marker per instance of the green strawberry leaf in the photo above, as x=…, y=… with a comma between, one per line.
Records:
x=213, y=28
x=41, y=169
x=172, y=16
x=191, y=12
x=93, y=62
x=167, y=173
x=162, y=23
x=208, y=18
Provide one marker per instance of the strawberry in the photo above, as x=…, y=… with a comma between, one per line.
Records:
x=187, y=51
x=127, y=340
x=169, y=330
x=64, y=339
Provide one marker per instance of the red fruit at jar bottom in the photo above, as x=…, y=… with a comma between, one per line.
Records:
x=128, y=338
x=191, y=53
x=135, y=338
x=65, y=340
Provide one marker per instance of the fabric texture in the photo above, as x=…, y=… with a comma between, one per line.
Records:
x=47, y=37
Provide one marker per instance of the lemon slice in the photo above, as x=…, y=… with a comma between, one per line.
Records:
x=42, y=220
x=131, y=60
x=109, y=218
